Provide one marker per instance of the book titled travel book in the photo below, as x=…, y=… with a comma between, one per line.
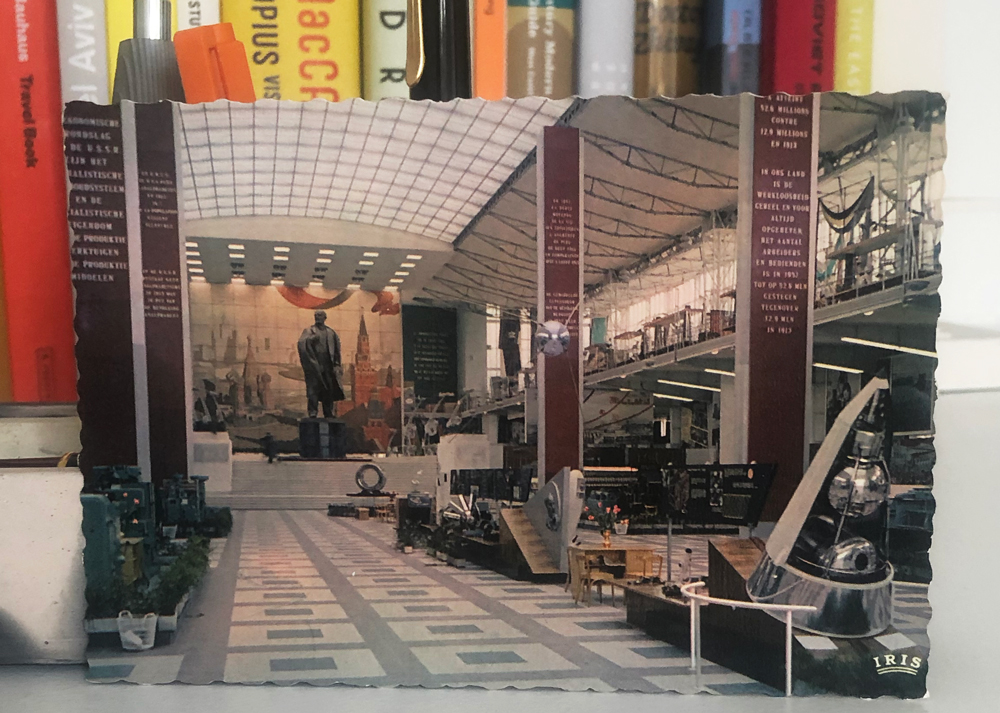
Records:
x=667, y=47
x=489, y=49
x=797, y=46
x=605, y=47
x=83, y=51
x=731, y=46
x=852, y=67
x=33, y=231
x=383, y=42
x=300, y=51
x=540, y=48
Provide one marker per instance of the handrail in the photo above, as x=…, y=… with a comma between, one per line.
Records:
x=700, y=600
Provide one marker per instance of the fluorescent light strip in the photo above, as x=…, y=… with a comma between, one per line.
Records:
x=365, y=262
x=190, y=244
x=276, y=282
x=688, y=386
x=316, y=283
x=195, y=270
x=235, y=246
x=408, y=264
x=396, y=281
x=192, y=253
x=720, y=372
x=193, y=262
x=197, y=278
x=402, y=273
x=237, y=256
x=673, y=398
x=834, y=367
x=324, y=260
x=892, y=347
x=370, y=254
x=354, y=286
x=281, y=249
x=327, y=252
x=628, y=391
x=281, y=257
x=414, y=257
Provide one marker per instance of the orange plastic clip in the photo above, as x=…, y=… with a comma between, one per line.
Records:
x=213, y=64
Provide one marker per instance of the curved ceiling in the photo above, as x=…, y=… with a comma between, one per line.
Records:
x=425, y=168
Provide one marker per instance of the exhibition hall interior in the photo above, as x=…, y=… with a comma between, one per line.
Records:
x=606, y=394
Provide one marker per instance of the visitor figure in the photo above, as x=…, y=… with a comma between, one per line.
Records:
x=319, y=353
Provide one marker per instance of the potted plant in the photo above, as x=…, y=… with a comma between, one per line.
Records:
x=605, y=517
x=137, y=610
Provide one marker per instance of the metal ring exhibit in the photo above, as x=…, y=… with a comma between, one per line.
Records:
x=359, y=477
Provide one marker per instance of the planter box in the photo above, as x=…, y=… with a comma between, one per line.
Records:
x=164, y=623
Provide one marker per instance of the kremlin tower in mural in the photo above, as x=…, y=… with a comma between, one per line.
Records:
x=368, y=397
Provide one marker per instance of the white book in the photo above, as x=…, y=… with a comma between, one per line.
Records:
x=196, y=13
x=383, y=49
x=83, y=51
x=605, y=47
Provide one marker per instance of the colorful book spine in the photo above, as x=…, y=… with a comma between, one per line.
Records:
x=731, y=46
x=33, y=232
x=383, y=42
x=852, y=65
x=605, y=47
x=119, y=16
x=667, y=47
x=489, y=49
x=540, y=48
x=300, y=49
x=196, y=13
x=797, y=52
x=83, y=51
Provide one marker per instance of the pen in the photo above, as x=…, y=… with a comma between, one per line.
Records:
x=147, y=65
x=439, y=49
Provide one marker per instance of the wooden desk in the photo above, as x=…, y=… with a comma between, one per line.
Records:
x=629, y=558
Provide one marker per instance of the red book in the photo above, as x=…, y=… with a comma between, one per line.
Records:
x=33, y=230
x=797, y=46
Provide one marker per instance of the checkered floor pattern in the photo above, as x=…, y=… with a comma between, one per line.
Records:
x=297, y=596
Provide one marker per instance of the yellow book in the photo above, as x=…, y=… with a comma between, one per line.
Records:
x=300, y=49
x=852, y=67
x=118, y=16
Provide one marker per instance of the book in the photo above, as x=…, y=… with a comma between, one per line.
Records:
x=119, y=16
x=731, y=46
x=605, y=47
x=196, y=13
x=667, y=47
x=83, y=51
x=489, y=49
x=383, y=26
x=6, y=387
x=540, y=42
x=299, y=51
x=852, y=64
x=33, y=231
x=797, y=46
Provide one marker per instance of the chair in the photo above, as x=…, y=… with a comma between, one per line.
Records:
x=593, y=573
x=643, y=563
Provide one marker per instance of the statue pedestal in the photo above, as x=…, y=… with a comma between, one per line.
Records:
x=322, y=438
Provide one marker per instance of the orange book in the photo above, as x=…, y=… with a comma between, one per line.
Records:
x=489, y=49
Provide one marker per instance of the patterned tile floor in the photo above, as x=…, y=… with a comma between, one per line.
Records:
x=297, y=596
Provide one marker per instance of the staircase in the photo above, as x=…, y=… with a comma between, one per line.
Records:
x=312, y=485
x=523, y=548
